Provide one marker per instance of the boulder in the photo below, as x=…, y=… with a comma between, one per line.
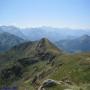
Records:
x=48, y=83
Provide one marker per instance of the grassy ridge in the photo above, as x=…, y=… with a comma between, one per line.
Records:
x=45, y=61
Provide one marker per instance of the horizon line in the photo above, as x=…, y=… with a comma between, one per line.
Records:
x=44, y=26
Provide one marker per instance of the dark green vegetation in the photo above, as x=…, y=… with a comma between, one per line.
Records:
x=27, y=65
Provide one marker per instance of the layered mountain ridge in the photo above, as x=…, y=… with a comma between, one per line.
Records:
x=39, y=64
x=8, y=40
x=81, y=44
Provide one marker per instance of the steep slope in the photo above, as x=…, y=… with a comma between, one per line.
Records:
x=24, y=55
x=44, y=45
x=34, y=48
x=7, y=41
x=81, y=44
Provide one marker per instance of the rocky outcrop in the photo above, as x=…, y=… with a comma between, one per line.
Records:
x=48, y=83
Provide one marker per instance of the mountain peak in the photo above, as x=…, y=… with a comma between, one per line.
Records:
x=44, y=45
x=44, y=40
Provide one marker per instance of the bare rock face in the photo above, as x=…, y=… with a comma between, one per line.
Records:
x=49, y=83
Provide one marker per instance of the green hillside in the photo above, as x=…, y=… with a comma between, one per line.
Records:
x=28, y=65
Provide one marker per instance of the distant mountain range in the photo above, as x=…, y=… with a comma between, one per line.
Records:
x=80, y=44
x=68, y=39
x=53, y=34
x=12, y=30
x=8, y=40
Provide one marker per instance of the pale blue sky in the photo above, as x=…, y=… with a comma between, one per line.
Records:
x=55, y=13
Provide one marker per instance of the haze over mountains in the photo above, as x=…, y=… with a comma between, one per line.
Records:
x=53, y=34
x=12, y=30
x=9, y=38
x=68, y=39
x=48, y=32
x=80, y=44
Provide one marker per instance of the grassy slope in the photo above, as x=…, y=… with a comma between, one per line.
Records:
x=71, y=68
x=75, y=68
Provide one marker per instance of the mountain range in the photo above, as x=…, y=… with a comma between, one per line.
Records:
x=37, y=65
x=12, y=30
x=68, y=40
x=8, y=40
x=53, y=34
x=44, y=58
x=80, y=44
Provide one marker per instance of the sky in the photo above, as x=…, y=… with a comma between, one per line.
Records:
x=54, y=13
